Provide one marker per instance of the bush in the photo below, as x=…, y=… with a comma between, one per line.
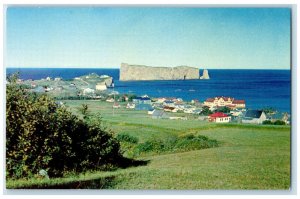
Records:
x=184, y=143
x=43, y=135
x=123, y=137
x=279, y=122
x=267, y=122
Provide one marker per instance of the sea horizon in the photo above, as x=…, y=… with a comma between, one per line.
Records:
x=34, y=67
x=260, y=88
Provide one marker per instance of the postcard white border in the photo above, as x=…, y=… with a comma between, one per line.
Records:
x=168, y=194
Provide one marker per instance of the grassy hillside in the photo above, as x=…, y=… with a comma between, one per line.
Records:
x=248, y=157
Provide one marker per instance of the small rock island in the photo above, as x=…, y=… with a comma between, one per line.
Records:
x=141, y=72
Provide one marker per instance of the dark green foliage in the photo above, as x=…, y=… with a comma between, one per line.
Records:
x=223, y=109
x=43, y=135
x=277, y=122
x=205, y=111
x=84, y=110
x=130, y=97
x=184, y=143
x=267, y=122
x=123, y=137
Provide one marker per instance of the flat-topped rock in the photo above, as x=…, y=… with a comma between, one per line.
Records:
x=141, y=72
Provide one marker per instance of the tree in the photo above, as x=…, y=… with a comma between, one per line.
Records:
x=41, y=135
x=223, y=109
x=205, y=111
x=84, y=110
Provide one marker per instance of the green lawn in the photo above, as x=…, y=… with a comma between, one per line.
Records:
x=249, y=156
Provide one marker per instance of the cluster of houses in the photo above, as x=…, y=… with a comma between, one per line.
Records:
x=158, y=108
x=164, y=104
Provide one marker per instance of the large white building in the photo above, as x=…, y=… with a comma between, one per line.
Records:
x=224, y=101
x=101, y=87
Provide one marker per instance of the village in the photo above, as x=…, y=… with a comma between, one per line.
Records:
x=219, y=109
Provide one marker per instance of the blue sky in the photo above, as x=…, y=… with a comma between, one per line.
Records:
x=235, y=38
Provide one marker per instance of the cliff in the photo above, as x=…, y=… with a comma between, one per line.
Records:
x=138, y=72
x=205, y=75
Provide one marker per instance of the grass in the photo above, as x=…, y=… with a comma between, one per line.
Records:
x=250, y=157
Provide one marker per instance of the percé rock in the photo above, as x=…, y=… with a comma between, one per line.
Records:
x=205, y=74
x=140, y=72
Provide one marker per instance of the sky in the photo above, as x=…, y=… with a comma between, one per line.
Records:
x=212, y=38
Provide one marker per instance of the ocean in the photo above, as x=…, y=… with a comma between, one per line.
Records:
x=259, y=88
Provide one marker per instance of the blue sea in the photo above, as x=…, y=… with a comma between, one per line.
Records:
x=259, y=88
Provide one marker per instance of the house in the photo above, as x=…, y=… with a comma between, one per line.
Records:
x=168, y=108
x=48, y=78
x=239, y=103
x=218, y=101
x=169, y=103
x=150, y=111
x=47, y=89
x=110, y=100
x=88, y=91
x=57, y=79
x=159, y=114
x=141, y=100
x=143, y=107
x=130, y=105
x=160, y=100
x=279, y=116
x=225, y=101
x=126, y=98
x=101, y=87
x=254, y=117
x=116, y=105
x=219, y=117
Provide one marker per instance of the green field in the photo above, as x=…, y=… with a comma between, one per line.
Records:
x=248, y=157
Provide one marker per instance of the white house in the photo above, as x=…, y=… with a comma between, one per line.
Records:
x=110, y=100
x=101, y=87
x=130, y=105
x=219, y=117
x=88, y=91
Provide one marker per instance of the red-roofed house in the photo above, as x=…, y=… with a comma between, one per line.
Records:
x=219, y=117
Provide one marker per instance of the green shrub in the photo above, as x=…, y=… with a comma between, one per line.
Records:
x=279, y=122
x=43, y=135
x=123, y=137
x=184, y=143
x=267, y=122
